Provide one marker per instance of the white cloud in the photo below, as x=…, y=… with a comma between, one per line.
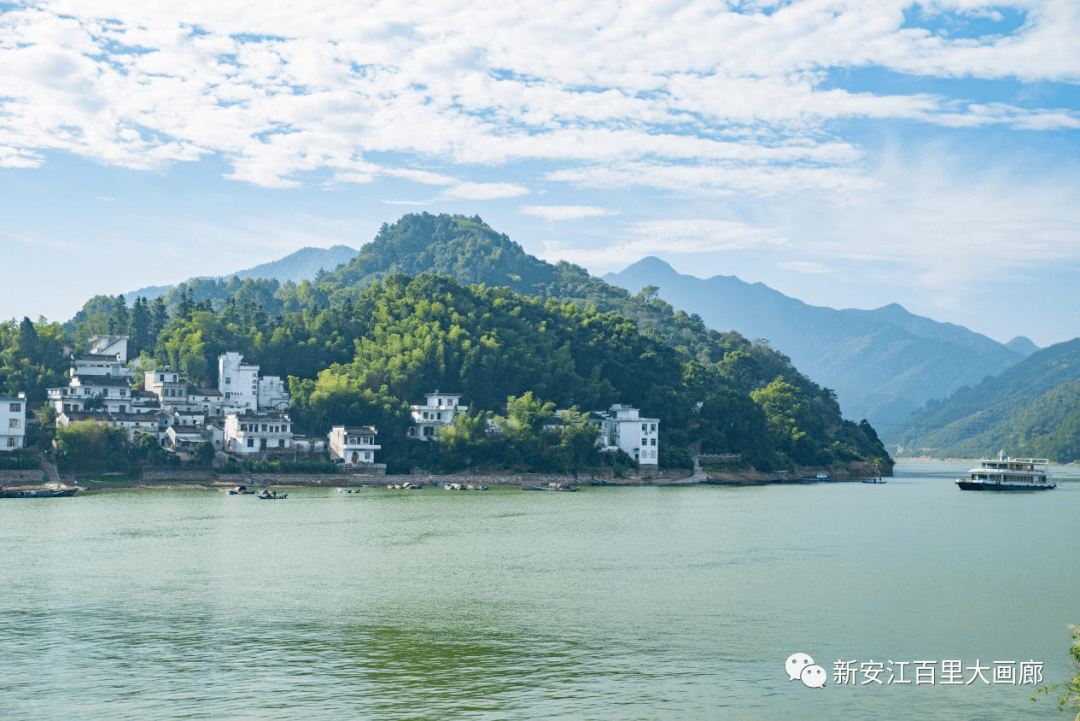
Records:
x=666, y=237
x=484, y=191
x=280, y=91
x=553, y=213
x=806, y=266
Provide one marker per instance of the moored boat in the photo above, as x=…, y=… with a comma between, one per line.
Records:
x=1008, y=474
x=39, y=493
x=268, y=495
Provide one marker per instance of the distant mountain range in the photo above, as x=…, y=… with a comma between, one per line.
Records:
x=882, y=363
x=302, y=265
x=1030, y=410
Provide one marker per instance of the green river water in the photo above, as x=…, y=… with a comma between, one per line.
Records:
x=610, y=603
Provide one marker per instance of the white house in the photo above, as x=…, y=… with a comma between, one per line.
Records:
x=207, y=400
x=242, y=390
x=115, y=394
x=155, y=424
x=355, y=445
x=238, y=382
x=166, y=385
x=251, y=433
x=272, y=394
x=623, y=427
x=109, y=345
x=438, y=411
x=12, y=422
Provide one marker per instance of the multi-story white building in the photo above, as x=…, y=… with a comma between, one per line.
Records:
x=167, y=386
x=355, y=445
x=251, y=433
x=623, y=427
x=238, y=383
x=438, y=411
x=12, y=422
x=241, y=390
x=115, y=394
x=105, y=356
x=272, y=394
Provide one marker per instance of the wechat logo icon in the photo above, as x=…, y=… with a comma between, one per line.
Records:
x=802, y=667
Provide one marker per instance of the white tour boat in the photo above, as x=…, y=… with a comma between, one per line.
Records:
x=1008, y=474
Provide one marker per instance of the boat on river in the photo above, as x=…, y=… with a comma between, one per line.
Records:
x=39, y=493
x=1008, y=474
x=272, y=496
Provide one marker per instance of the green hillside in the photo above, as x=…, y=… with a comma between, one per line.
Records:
x=1032, y=409
x=361, y=343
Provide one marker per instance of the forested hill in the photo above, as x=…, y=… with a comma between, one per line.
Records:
x=361, y=343
x=1031, y=409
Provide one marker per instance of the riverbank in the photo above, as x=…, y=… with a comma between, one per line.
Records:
x=201, y=480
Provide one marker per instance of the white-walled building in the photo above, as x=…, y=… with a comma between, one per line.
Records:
x=242, y=390
x=155, y=424
x=355, y=445
x=115, y=393
x=251, y=433
x=623, y=427
x=166, y=385
x=438, y=411
x=272, y=394
x=110, y=345
x=238, y=383
x=106, y=356
x=12, y=422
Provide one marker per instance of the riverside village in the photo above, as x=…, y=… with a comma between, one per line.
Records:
x=226, y=431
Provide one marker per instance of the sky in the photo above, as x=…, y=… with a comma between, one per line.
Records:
x=847, y=153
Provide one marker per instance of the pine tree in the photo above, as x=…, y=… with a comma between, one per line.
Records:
x=118, y=321
x=141, y=324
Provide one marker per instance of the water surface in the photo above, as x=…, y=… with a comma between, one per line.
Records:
x=612, y=603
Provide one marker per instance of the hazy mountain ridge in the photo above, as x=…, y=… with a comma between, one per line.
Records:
x=303, y=264
x=1031, y=409
x=883, y=363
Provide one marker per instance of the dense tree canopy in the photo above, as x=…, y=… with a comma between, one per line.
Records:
x=361, y=343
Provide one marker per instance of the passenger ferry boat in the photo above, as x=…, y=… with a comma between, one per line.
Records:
x=1008, y=474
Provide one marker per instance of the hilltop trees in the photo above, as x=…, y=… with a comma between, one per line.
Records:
x=360, y=343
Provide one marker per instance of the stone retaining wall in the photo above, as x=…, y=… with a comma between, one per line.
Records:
x=177, y=475
x=299, y=479
x=13, y=478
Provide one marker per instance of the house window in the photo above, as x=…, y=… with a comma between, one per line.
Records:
x=14, y=423
x=11, y=442
x=644, y=427
x=251, y=442
x=652, y=428
x=16, y=407
x=228, y=381
x=652, y=441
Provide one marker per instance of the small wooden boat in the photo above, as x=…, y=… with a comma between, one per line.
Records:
x=272, y=496
x=39, y=493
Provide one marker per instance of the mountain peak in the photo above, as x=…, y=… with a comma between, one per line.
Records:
x=651, y=264
x=1023, y=345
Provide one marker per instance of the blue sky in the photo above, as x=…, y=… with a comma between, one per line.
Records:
x=847, y=154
